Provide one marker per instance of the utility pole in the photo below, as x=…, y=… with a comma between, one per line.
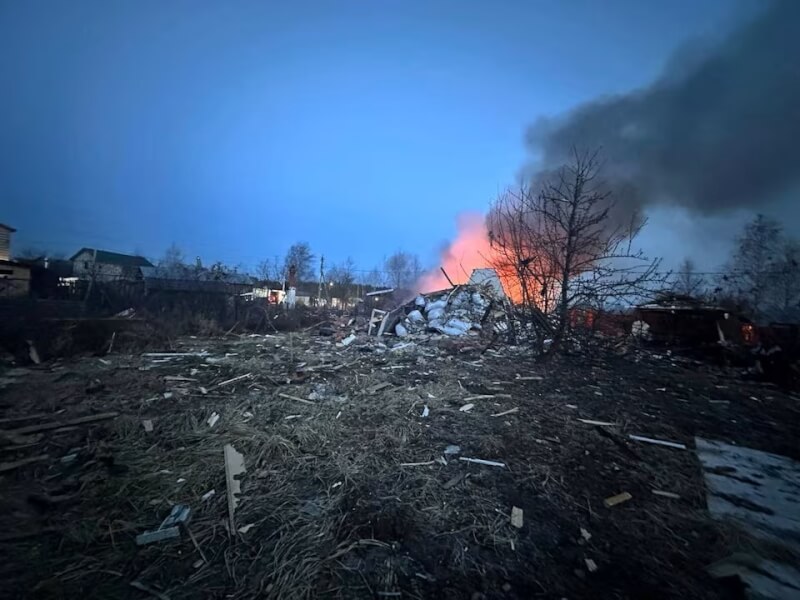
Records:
x=321, y=277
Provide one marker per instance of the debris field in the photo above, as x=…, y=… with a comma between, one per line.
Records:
x=297, y=466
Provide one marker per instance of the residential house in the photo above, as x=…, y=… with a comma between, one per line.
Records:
x=15, y=278
x=101, y=265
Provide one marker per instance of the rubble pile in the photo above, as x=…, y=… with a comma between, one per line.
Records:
x=463, y=310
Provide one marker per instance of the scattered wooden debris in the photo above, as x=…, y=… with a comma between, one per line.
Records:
x=10, y=466
x=666, y=494
x=485, y=397
x=378, y=387
x=169, y=528
x=295, y=398
x=530, y=378
x=230, y=381
x=149, y=590
x=481, y=461
x=418, y=464
x=618, y=499
x=516, y=517
x=58, y=424
x=454, y=481
x=648, y=440
x=510, y=411
x=234, y=467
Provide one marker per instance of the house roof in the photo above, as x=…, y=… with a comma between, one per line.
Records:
x=7, y=228
x=115, y=258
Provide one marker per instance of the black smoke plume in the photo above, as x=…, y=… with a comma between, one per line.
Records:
x=719, y=130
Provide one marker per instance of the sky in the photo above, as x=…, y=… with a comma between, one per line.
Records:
x=234, y=129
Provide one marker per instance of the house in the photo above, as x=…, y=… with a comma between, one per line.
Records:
x=679, y=319
x=101, y=265
x=15, y=277
x=182, y=278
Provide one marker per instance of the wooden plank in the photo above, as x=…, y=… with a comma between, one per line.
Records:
x=618, y=499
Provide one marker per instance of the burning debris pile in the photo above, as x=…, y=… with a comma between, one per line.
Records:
x=462, y=310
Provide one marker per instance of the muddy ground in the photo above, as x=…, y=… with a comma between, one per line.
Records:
x=335, y=502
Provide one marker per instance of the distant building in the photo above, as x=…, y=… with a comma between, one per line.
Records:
x=101, y=265
x=15, y=278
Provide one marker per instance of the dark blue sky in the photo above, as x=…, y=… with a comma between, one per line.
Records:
x=236, y=128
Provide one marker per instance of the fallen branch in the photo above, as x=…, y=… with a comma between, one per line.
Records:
x=10, y=466
x=57, y=424
x=510, y=411
x=295, y=398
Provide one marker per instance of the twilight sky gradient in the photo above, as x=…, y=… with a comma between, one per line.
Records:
x=236, y=128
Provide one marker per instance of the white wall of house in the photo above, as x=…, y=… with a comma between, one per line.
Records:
x=5, y=243
x=84, y=266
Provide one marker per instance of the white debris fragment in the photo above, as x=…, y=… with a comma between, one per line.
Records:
x=516, y=517
x=400, y=330
x=425, y=411
x=415, y=316
x=467, y=407
x=452, y=449
x=348, y=340
x=212, y=420
x=234, y=467
x=209, y=494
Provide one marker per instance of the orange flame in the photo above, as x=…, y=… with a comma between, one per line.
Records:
x=470, y=250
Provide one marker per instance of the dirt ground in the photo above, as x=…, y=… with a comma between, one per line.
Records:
x=348, y=491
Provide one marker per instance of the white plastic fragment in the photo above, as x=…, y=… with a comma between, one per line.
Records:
x=452, y=449
x=400, y=330
x=212, y=420
x=348, y=340
x=467, y=407
x=415, y=317
x=234, y=467
x=425, y=411
x=209, y=494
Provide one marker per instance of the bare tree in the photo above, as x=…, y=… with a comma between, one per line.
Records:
x=300, y=256
x=402, y=269
x=763, y=274
x=568, y=246
x=374, y=278
x=749, y=273
x=786, y=279
x=687, y=281
x=343, y=273
x=173, y=257
x=270, y=269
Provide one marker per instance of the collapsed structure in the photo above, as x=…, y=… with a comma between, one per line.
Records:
x=466, y=309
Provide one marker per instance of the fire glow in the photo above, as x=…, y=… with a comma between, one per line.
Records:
x=470, y=250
